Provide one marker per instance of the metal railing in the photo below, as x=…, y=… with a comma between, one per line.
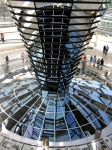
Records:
x=11, y=65
x=102, y=71
x=17, y=63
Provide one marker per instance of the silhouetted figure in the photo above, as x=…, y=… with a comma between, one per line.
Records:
x=2, y=37
x=106, y=50
x=21, y=21
x=6, y=67
x=7, y=59
x=101, y=63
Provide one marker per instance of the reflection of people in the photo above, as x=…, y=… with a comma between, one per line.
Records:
x=20, y=21
x=6, y=68
x=22, y=56
x=22, y=11
x=21, y=18
x=2, y=37
x=7, y=59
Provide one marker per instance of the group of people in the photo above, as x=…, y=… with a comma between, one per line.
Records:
x=105, y=49
x=23, y=57
x=96, y=62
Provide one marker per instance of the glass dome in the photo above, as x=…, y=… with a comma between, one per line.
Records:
x=54, y=99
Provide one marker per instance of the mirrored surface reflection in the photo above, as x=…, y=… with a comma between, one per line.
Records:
x=30, y=112
x=56, y=36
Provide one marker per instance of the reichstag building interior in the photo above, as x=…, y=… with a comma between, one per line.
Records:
x=52, y=94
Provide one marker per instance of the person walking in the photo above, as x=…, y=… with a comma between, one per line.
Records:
x=7, y=59
x=94, y=61
x=84, y=63
x=2, y=37
x=6, y=66
x=90, y=60
x=106, y=50
x=98, y=62
x=84, y=57
x=101, y=63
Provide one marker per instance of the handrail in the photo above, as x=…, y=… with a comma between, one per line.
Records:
x=17, y=63
x=90, y=67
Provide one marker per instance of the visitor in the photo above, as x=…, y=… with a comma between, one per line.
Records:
x=7, y=59
x=84, y=57
x=94, y=61
x=98, y=62
x=84, y=63
x=6, y=66
x=2, y=37
x=22, y=56
x=90, y=60
x=106, y=50
x=101, y=63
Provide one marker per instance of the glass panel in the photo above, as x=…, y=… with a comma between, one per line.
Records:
x=62, y=135
x=60, y=121
x=49, y=121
